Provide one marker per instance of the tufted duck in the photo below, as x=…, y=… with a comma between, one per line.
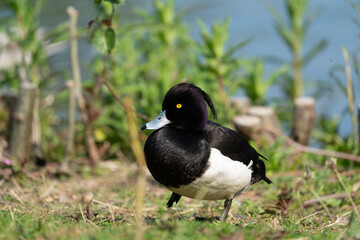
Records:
x=197, y=158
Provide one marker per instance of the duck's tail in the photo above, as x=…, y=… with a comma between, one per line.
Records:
x=262, y=172
x=259, y=170
x=265, y=178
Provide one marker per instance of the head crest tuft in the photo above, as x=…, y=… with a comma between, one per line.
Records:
x=209, y=102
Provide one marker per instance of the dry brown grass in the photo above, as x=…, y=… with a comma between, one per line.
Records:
x=107, y=195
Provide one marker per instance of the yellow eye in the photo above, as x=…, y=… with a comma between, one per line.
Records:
x=178, y=105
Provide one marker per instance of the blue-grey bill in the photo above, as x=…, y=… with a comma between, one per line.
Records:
x=158, y=122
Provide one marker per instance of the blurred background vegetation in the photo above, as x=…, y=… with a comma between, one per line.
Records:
x=144, y=58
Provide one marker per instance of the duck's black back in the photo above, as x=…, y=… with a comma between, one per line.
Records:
x=235, y=146
x=176, y=157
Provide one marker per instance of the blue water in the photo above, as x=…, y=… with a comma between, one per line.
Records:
x=251, y=19
x=335, y=23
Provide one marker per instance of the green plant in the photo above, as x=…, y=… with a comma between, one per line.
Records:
x=138, y=66
x=293, y=32
x=24, y=35
x=253, y=81
x=29, y=62
x=218, y=61
x=337, y=73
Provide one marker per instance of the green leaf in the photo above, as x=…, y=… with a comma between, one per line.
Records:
x=276, y=74
x=314, y=51
x=97, y=2
x=333, y=70
x=60, y=33
x=286, y=35
x=356, y=66
x=233, y=49
x=99, y=42
x=110, y=39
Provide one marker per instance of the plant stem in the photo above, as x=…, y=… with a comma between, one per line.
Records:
x=347, y=193
x=221, y=84
x=222, y=89
x=320, y=200
x=297, y=65
x=301, y=148
x=350, y=95
x=71, y=127
x=297, y=41
x=90, y=141
x=140, y=162
x=331, y=196
x=358, y=123
x=142, y=116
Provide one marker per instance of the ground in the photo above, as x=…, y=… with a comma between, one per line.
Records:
x=40, y=205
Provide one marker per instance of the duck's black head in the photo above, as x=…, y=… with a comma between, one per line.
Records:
x=184, y=107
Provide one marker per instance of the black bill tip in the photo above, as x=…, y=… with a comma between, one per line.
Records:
x=143, y=127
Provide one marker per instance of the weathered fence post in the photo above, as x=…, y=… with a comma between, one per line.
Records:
x=266, y=115
x=22, y=120
x=240, y=104
x=304, y=117
x=249, y=126
x=254, y=123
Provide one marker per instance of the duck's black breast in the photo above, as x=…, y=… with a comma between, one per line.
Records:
x=176, y=157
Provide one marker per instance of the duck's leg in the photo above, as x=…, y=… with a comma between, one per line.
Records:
x=227, y=206
x=174, y=198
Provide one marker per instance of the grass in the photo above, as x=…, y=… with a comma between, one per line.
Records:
x=37, y=205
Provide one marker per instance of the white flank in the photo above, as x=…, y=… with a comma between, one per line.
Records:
x=223, y=179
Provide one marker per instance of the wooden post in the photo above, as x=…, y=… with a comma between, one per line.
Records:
x=249, y=126
x=304, y=117
x=20, y=140
x=240, y=104
x=266, y=115
x=253, y=125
